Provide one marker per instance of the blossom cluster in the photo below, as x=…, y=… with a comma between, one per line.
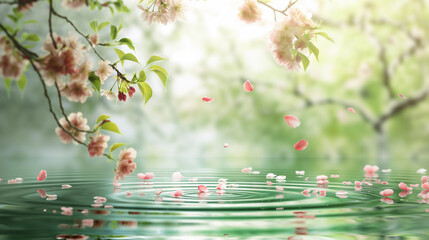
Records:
x=250, y=12
x=77, y=123
x=290, y=38
x=162, y=11
x=126, y=164
x=12, y=63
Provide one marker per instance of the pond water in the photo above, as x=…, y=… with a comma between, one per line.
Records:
x=249, y=208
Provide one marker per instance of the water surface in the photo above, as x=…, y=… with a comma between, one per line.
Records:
x=250, y=209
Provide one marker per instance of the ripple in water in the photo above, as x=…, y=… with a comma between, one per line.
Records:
x=249, y=207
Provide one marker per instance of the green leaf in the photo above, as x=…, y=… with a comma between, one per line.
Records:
x=120, y=54
x=325, y=35
x=30, y=37
x=22, y=82
x=129, y=57
x=128, y=42
x=154, y=59
x=146, y=91
x=142, y=76
x=158, y=68
x=7, y=83
x=95, y=80
x=29, y=21
x=314, y=50
x=110, y=126
x=113, y=32
x=116, y=146
x=305, y=61
x=94, y=26
x=162, y=77
x=102, y=117
x=102, y=25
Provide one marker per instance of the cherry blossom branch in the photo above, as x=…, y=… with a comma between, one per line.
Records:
x=291, y=3
x=120, y=75
x=23, y=50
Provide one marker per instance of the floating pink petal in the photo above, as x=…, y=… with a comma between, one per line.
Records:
x=66, y=186
x=68, y=211
x=221, y=186
x=177, y=176
x=140, y=175
x=158, y=191
x=177, y=193
x=322, y=177
x=202, y=188
x=51, y=197
x=301, y=145
x=149, y=175
x=1, y=179
x=116, y=184
x=42, y=193
x=87, y=223
x=335, y=176
x=351, y=110
x=292, y=121
x=100, y=199
x=323, y=193
x=269, y=183
x=246, y=170
x=386, y=192
x=193, y=179
x=404, y=193
x=279, y=188
x=128, y=194
x=404, y=187
x=424, y=179
x=306, y=192
x=220, y=192
x=384, y=182
x=425, y=185
x=422, y=171
x=300, y=172
x=248, y=87
x=371, y=169
x=225, y=145
x=207, y=99
x=42, y=176
x=402, y=96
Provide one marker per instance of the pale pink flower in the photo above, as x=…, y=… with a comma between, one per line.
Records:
x=98, y=144
x=125, y=165
x=93, y=38
x=78, y=122
x=250, y=12
x=76, y=91
x=82, y=71
x=73, y=4
x=158, y=191
x=177, y=193
x=104, y=70
x=68, y=211
x=404, y=187
x=42, y=175
x=160, y=16
x=175, y=9
x=202, y=188
x=177, y=176
x=246, y=170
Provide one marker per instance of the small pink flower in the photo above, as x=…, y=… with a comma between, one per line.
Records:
x=386, y=192
x=207, y=99
x=221, y=186
x=177, y=176
x=93, y=38
x=77, y=91
x=77, y=121
x=322, y=193
x=104, y=70
x=125, y=165
x=97, y=145
x=301, y=145
x=387, y=200
x=42, y=193
x=404, y=187
x=292, y=121
x=248, y=87
x=131, y=91
x=42, y=176
x=250, y=12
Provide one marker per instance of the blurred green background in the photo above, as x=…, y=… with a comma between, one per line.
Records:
x=380, y=51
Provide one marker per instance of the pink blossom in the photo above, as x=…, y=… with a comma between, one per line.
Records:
x=76, y=91
x=125, y=164
x=68, y=211
x=425, y=185
x=250, y=12
x=158, y=191
x=93, y=38
x=77, y=121
x=386, y=192
x=246, y=170
x=66, y=186
x=279, y=188
x=73, y=4
x=97, y=145
x=177, y=193
x=42, y=176
x=301, y=145
x=131, y=91
x=104, y=70
x=404, y=187
x=148, y=175
x=42, y=193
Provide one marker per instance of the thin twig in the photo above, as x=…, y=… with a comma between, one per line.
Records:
x=50, y=23
x=291, y=3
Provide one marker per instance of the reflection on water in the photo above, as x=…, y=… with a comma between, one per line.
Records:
x=87, y=206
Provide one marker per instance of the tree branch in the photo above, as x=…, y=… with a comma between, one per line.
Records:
x=50, y=24
x=291, y=3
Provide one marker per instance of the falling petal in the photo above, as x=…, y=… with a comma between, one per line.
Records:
x=248, y=87
x=292, y=121
x=42, y=176
x=207, y=99
x=351, y=110
x=301, y=145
